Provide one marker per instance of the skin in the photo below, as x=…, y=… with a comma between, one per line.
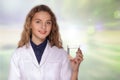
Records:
x=75, y=63
x=41, y=25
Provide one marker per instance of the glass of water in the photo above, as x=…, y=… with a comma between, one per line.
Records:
x=72, y=49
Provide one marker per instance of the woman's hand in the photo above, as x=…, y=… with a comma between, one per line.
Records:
x=75, y=62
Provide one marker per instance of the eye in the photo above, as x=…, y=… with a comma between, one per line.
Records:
x=49, y=22
x=37, y=21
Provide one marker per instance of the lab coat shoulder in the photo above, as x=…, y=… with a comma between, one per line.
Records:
x=14, y=65
x=17, y=53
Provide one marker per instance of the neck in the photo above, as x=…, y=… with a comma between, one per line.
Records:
x=38, y=41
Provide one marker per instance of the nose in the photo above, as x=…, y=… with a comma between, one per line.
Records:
x=43, y=26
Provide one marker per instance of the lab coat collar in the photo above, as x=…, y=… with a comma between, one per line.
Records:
x=44, y=56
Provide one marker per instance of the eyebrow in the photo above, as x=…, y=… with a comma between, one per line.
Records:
x=41, y=20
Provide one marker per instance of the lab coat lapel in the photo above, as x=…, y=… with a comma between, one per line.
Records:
x=34, y=60
x=45, y=54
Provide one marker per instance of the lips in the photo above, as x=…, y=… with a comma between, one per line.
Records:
x=42, y=32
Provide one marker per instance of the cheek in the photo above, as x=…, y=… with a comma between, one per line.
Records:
x=34, y=31
x=49, y=29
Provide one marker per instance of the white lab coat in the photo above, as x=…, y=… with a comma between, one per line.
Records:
x=54, y=64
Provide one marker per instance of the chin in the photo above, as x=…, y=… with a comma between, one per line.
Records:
x=42, y=38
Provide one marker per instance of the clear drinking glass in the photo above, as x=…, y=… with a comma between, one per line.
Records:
x=72, y=49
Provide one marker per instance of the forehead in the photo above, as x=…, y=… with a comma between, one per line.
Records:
x=42, y=15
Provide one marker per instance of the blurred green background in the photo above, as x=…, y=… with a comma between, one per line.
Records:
x=93, y=24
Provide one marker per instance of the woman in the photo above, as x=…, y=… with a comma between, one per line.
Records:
x=40, y=55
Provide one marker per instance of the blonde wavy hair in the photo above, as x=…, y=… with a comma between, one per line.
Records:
x=54, y=36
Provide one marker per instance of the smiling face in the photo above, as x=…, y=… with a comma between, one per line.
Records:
x=41, y=25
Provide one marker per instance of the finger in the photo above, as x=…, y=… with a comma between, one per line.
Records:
x=79, y=58
x=79, y=55
x=79, y=61
x=71, y=60
x=79, y=51
x=76, y=61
